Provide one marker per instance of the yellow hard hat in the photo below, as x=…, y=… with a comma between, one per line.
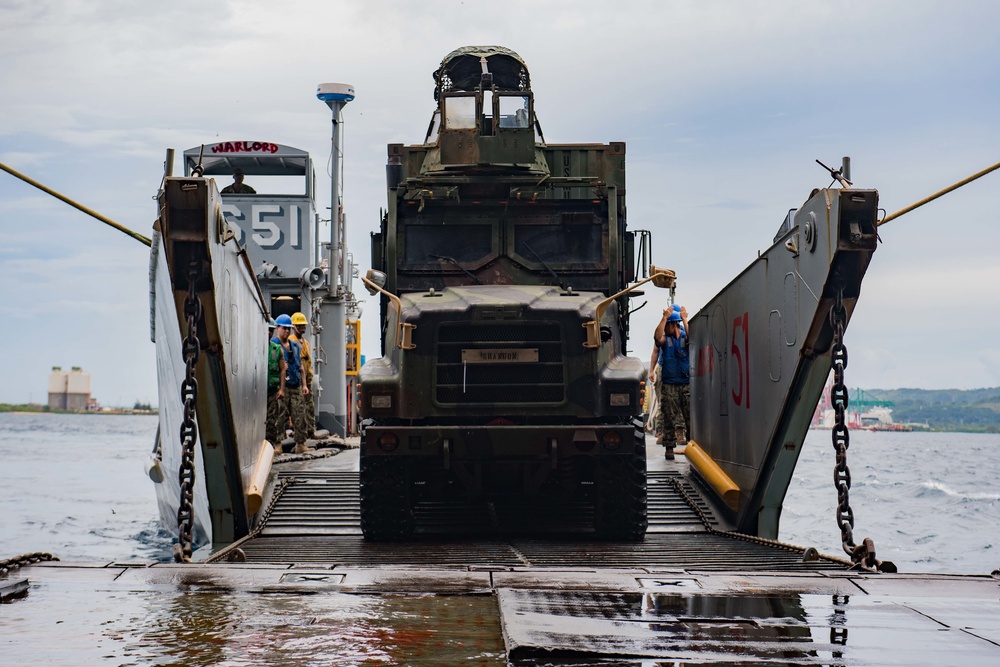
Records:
x=299, y=318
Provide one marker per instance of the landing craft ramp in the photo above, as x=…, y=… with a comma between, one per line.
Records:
x=316, y=519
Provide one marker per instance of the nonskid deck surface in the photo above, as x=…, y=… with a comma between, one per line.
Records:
x=316, y=519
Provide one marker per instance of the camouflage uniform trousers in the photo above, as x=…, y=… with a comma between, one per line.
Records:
x=295, y=407
x=661, y=424
x=310, y=412
x=677, y=410
x=276, y=416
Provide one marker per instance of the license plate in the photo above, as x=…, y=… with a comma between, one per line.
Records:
x=518, y=356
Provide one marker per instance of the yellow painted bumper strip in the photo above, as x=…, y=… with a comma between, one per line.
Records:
x=258, y=481
x=713, y=474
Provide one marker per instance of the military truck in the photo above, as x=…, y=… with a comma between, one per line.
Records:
x=504, y=266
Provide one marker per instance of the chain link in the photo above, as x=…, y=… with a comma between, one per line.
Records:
x=710, y=526
x=279, y=490
x=189, y=431
x=8, y=565
x=862, y=555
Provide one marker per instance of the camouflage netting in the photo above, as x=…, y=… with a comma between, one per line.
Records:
x=461, y=69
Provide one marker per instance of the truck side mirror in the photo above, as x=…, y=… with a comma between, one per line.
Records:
x=377, y=278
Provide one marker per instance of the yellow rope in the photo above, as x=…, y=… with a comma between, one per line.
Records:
x=108, y=221
x=938, y=194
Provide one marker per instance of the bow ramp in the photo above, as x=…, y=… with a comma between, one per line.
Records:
x=314, y=518
x=209, y=331
x=762, y=351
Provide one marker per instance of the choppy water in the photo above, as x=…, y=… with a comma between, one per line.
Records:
x=73, y=485
x=931, y=501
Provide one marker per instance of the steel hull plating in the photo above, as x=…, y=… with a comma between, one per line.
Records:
x=761, y=349
x=170, y=373
x=231, y=367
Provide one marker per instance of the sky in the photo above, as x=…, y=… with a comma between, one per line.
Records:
x=724, y=107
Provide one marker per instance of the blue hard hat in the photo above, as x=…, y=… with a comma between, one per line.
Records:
x=284, y=321
x=675, y=316
x=270, y=323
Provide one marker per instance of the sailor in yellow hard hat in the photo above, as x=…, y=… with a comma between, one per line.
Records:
x=299, y=323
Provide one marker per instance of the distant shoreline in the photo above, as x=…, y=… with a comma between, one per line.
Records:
x=38, y=409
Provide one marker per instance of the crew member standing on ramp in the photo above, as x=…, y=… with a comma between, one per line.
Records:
x=295, y=389
x=299, y=336
x=276, y=369
x=675, y=376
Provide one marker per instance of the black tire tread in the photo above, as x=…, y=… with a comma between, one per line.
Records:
x=620, y=513
x=386, y=501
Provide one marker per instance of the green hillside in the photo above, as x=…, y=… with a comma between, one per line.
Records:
x=972, y=410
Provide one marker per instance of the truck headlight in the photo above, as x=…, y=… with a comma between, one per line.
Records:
x=388, y=442
x=621, y=400
x=612, y=441
x=382, y=401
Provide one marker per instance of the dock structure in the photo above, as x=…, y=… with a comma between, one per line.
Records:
x=196, y=614
x=479, y=582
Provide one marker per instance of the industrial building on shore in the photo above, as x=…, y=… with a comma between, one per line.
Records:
x=70, y=390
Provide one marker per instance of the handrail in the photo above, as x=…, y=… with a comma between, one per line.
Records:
x=593, y=327
x=404, y=330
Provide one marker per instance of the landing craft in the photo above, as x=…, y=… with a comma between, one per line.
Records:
x=501, y=449
x=254, y=256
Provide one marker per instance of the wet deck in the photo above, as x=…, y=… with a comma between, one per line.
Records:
x=313, y=592
x=245, y=614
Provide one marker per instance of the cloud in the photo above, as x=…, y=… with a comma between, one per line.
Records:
x=990, y=359
x=724, y=106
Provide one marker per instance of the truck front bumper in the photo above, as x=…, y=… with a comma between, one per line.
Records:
x=499, y=442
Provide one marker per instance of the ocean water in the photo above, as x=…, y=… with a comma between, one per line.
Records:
x=930, y=501
x=73, y=485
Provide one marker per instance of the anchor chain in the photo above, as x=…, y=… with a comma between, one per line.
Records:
x=862, y=555
x=189, y=432
x=8, y=565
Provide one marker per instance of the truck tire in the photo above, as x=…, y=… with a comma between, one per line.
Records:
x=620, y=512
x=386, y=501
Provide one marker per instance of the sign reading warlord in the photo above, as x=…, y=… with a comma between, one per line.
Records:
x=274, y=228
x=244, y=147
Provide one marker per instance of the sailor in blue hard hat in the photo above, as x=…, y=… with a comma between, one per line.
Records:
x=660, y=425
x=276, y=369
x=295, y=388
x=674, y=366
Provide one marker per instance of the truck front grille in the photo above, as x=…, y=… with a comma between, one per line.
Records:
x=459, y=383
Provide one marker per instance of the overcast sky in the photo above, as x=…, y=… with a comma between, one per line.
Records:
x=724, y=107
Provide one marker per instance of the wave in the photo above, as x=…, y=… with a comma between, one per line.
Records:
x=948, y=491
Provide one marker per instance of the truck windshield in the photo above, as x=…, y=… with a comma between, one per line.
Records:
x=466, y=245
x=578, y=246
